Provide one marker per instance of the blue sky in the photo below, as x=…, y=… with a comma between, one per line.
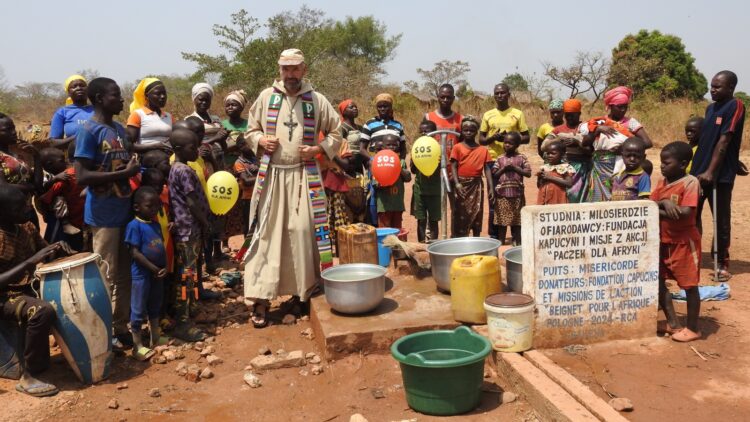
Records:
x=45, y=41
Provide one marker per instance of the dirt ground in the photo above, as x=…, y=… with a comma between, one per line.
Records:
x=661, y=377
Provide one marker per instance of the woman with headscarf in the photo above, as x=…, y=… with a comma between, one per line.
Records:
x=606, y=135
x=67, y=119
x=149, y=126
x=356, y=197
x=570, y=134
x=556, y=119
x=234, y=104
x=215, y=135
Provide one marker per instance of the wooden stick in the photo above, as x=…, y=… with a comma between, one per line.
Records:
x=698, y=353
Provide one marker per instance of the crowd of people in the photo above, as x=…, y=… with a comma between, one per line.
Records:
x=137, y=194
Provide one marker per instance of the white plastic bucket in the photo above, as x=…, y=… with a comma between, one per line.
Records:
x=510, y=319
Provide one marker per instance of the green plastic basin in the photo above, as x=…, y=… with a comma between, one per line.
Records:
x=442, y=370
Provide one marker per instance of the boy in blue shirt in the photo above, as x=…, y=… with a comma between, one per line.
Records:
x=105, y=167
x=149, y=268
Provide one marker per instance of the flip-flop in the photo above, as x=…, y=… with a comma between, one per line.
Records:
x=41, y=389
x=260, y=323
x=143, y=354
x=163, y=341
x=685, y=335
x=187, y=333
x=667, y=329
x=724, y=276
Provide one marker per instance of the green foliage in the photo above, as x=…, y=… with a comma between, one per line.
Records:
x=657, y=64
x=339, y=54
x=516, y=82
x=444, y=72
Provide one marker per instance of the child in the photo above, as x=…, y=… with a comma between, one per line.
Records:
x=148, y=270
x=390, y=199
x=246, y=169
x=693, y=129
x=555, y=177
x=632, y=182
x=189, y=208
x=22, y=249
x=468, y=161
x=425, y=199
x=62, y=203
x=677, y=196
x=105, y=167
x=509, y=170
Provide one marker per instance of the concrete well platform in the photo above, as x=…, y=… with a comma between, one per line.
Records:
x=410, y=305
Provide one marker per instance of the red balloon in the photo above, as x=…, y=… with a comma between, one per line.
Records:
x=386, y=167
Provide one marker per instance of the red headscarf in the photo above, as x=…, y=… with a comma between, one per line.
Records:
x=343, y=105
x=618, y=96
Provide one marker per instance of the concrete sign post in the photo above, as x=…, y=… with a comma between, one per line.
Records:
x=593, y=270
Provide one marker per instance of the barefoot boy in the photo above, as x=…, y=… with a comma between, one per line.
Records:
x=677, y=196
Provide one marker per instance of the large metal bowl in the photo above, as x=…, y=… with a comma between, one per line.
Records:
x=443, y=252
x=514, y=268
x=354, y=288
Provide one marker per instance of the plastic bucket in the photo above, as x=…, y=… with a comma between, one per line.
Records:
x=514, y=269
x=442, y=370
x=510, y=319
x=384, y=253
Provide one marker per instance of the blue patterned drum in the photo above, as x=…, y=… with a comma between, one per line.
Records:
x=76, y=288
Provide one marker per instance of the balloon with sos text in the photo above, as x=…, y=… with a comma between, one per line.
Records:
x=425, y=153
x=386, y=167
x=223, y=192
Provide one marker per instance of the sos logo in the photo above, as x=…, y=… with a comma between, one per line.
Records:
x=221, y=190
x=423, y=149
x=386, y=160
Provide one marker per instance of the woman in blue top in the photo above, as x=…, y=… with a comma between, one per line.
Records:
x=67, y=119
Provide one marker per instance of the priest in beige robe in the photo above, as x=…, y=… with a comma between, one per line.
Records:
x=283, y=256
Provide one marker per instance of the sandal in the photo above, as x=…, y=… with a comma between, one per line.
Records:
x=686, y=335
x=723, y=274
x=667, y=329
x=143, y=354
x=40, y=389
x=260, y=318
x=185, y=332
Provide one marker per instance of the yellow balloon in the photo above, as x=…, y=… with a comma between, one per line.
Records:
x=425, y=154
x=223, y=192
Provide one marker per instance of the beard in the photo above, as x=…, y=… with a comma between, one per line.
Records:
x=292, y=84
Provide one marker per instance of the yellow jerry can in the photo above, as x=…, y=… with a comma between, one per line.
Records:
x=473, y=278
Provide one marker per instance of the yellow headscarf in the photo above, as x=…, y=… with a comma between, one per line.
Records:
x=71, y=78
x=139, y=95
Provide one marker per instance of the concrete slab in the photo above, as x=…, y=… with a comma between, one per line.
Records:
x=410, y=305
x=550, y=401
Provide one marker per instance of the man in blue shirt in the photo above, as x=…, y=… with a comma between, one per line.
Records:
x=105, y=167
x=716, y=160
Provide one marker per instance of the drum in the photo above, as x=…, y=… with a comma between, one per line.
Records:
x=78, y=291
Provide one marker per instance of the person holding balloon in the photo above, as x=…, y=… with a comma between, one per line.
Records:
x=425, y=200
x=389, y=173
x=469, y=162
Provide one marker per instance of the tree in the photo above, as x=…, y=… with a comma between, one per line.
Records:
x=351, y=51
x=444, y=72
x=587, y=73
x=516, y=82
x=656, y=64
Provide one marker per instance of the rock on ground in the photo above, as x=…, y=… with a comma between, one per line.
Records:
x=207, y=373
x=154, y=392
x=507, y=397
x=252, y=380
x=357, y=417
x=113, y=404
x=621, y=404
x=213, y=360
x=288, y=360
x=289, y=319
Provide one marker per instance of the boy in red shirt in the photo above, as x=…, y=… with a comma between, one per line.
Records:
x=680, y=248
x=62, y=202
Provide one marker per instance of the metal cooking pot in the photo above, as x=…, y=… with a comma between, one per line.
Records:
x=443, y=252
x=354, y=288
x=514, y=268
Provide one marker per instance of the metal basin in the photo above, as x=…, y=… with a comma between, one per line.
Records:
x=514, y=268
x=354, y=288
x=443, y=252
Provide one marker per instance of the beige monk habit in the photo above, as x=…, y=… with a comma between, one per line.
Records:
x=283, y=257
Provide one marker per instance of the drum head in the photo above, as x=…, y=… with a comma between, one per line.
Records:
x=68, y=262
